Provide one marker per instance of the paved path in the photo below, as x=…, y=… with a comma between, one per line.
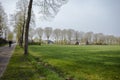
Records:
x=5, y=55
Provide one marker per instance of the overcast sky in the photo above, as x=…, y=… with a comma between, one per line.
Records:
x=98, y=16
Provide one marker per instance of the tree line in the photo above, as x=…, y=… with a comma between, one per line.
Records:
x=5, y=32
x=71, y=36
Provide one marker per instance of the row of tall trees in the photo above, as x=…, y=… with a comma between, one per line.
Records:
x=5, y=32
x=70, y=36
x=18, y=20
x=22, y=19
x=3, y=22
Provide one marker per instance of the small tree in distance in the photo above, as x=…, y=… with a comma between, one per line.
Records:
x=39, y=32
x=48, y=32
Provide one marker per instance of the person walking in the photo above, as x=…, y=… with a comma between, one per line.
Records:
x=10, y=43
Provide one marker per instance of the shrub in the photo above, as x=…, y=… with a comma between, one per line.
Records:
x=3, y=41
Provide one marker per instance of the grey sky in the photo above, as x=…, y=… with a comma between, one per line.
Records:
x=99, y=16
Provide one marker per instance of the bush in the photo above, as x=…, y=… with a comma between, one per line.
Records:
x=34, y=43
x=3, y=41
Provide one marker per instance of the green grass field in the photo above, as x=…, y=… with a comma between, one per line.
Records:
x=64, y=62
x=77, y=62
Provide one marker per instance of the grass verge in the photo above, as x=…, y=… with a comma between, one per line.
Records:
x=20, y=68
x=23, y=67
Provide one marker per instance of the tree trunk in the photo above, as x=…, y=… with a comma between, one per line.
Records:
x=23, y=28
x=27, y=27
x=47, y=40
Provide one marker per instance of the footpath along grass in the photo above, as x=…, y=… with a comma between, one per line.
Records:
x=20, y=68
x=78, y=62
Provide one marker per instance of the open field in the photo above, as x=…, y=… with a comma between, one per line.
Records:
x=57, y=62
x=80, y=62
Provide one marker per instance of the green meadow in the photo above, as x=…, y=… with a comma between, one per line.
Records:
x=65, y=62
x=80, y=62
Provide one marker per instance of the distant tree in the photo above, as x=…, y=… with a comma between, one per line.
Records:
x=88, y=37
x=81, y=34
x=64, y=36
x=110, y=39
x=115, y=40
x=10, y=35
x=70, y=33
x=118, y=40
x=57, y=35
x=39, y=32
x=77, y=36
x=101, y=38
x=48, y=32
x=96, y=38
x=31, y=33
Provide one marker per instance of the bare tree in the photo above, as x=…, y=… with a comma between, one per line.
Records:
x=48, y=32
x=77, y=36
x=22, y=6
x=96, y=38
x=81, y=37
x=31, y=33
x=88, y=37
x=70, y=35
x=64, y=36
x=110, y=39
x=118, y=40
x=27, y=26
x=3, y=21
x=49, y=8
x=39, y=32
x=57, y=35
x=17, y=22
x=101, y=39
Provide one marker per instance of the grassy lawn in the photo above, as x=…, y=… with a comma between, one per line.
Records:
x=57, y=62
x=20, y=68
x=78, y=62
